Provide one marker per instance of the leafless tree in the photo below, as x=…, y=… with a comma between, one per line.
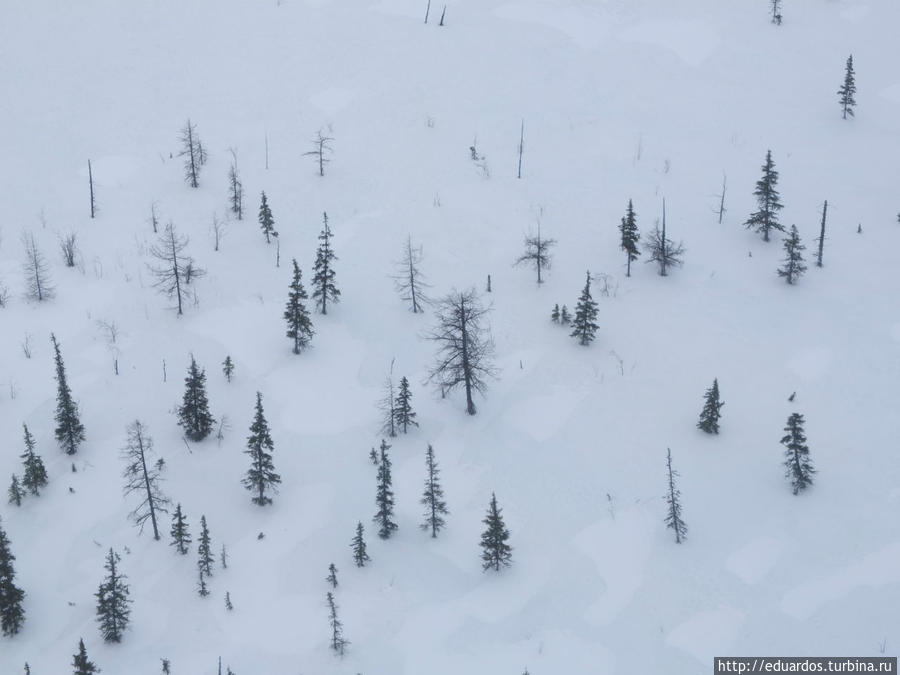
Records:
x=235, y=190
x=91, y=185
x=193, y=153
x=154, y=218
x=537, y=252
x=320, y=148
x=409, y=280
x=37, y=274
x=663, y=251
x=142, y=479
x=218, y=231
x=175, y=268
x=386, y=405
x=68, y=246
x=465, y=347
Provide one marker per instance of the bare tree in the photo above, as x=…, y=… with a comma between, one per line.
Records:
x=154, y=218
x=91, y=185
x=68, y=246
x=175, y=268
x=193, y=153
x=721, y=197
x=465, y=347
x=521, y=147
x=142, y=479
x=320, y=147
x=386, y=405
x=218, y=231
x=663, y=251
x=235, y=190
x=409, y=280
x=537, y=252
x=37, y=273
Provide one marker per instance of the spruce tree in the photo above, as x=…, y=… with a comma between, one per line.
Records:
x=662, y=250
x=80, y=662
x=797, y=463
x=360, y=557
x=193, y=415
x=793, y=261
x=15, y=491
x=564, y=317
x=223, y=558
x=228, y=606
x=35, y=474
x=709, y=416
x=299, y=325
x=261, y=475
x=767, y=198
x=204, y=552
x=403, y=412
x=323, y=279
x=384, y=496
x=332, y=576
x=630, y=238
x=338, y=643
x=848, y=89
x=585, y=326
x=202, y=590
x=673, y=503
x=554, y=315
x=494, y=549
x=143, y=479
x=266, y=221
x=433, y=496
x=69, y=429
x=12, y=614
x=181, y=537
x=113, y=601
x=228, y=368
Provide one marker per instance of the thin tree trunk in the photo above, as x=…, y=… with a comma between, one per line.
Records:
x=521, y=147
x=91, y=183
x=722, y=199
x=147, y=486
x=467, y=374
x=822, y=235
x=427, y=10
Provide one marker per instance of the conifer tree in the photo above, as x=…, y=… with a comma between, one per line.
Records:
x=113, y=601
x=765, y=218
x=193, y=415
x=261, y=475
x=12, y=614
x=338, y=643
x=386, y=405
x=673, y=503
x=299, y=325
x=554, y=315
x=384, y=496
x=202, y=590
x=564, y=317
x=848, y=89
x=15, y=491
x=821, y=237
x=798, y=466
x=69, y=429
x=793, y=261
x=433, y=496
x=204, y=551
x=709, y=416
x=630, y=238
x=143, y=479
x=360, y=557
x=35, y=474
x=409, y=280
x=266, y=220
x=373, y=456
x=181, y=537
x=223, y=558
x=332, y=576
x=235, y=192
x=228, y=368
x=662, y=250
x=403, y=412
x=494, y=549
x=585, y=325
x=193, y=153
x=323, y=279
x=228, y=606
x=80, y=662
x=537, y=252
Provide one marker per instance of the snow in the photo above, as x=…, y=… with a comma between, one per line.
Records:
x=621, y=100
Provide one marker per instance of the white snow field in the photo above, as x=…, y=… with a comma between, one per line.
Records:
x=622, y=99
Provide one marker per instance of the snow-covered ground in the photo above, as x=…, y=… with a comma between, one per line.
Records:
x=622, y=99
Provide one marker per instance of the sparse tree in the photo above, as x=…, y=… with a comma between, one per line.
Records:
x=798, y=466
x=821, y=239
x=261, y=476
x=176, y=269
x=663, y=251
x=299, y=324
x=386, y=405
x=266, y=220
x=403, y=412
x=409, y=280
x=193, y=414
x=181, y=537
x=192, y=151
x=465, y=348
x=332, y=576
x=321, y=148
x=323, y=279
x=202, y=590
x=360, y=557
x=15, y=491
x=848, y=89
x=235, y=192
x=494, y=549
x=142, y=479
x=228, y=368
x=585, y=323
x=564, y=317
x=113, y=611
x=384, y=496
x=338, y=643
x=537, y=253
x=433, y=496
x=223, y=558
x=68, y=246
x=80, y=662
x=204, y=550
x=35, y=475
x=218, y=232
x=38, y=285
x=629, y=237
x=793, y=265
x=69, y=429
x=91, y=186
x=228, y=606
x=673, y=503
x=776, y=11
x=765, y=218
x=709, y=416
x=12, y=614
x=554, y=315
